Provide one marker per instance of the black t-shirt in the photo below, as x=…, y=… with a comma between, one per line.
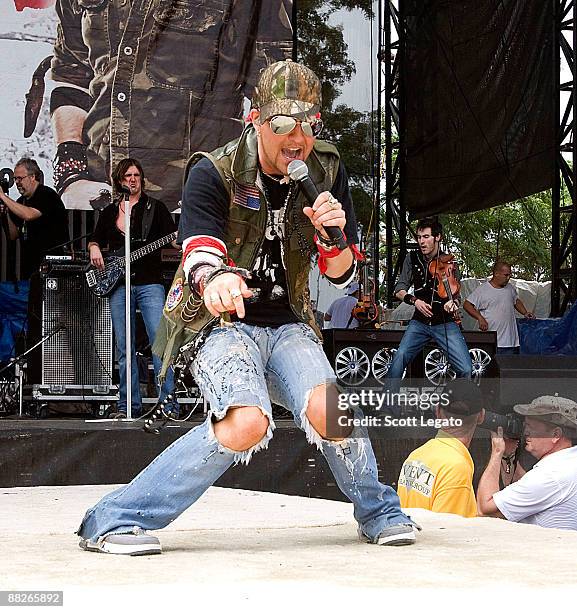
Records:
x=205, y=211
x=40, y=236
x=146, y=270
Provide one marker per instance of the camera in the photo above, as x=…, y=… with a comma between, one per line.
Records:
x=6, y=179
x=512, y=424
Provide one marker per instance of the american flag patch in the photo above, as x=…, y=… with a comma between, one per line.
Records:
x=247, y=196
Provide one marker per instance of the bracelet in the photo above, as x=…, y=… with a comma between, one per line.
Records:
x=212, y=274
x=327, y=250
x=327, y=245
x=196, y=275
x=70, y=165
x=409, y=299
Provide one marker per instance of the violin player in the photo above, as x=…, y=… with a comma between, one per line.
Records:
x=434, y=278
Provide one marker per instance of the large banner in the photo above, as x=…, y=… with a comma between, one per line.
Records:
x=86, y=83
x=479, y=84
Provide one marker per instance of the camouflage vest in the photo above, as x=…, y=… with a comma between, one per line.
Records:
x=237, y=163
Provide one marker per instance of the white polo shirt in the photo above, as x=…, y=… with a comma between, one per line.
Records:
x=546, y=495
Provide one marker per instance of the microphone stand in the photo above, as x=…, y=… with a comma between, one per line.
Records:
x=63, y=244
x=127, y=305
x=18, y=362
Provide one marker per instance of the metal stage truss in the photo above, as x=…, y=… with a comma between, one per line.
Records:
x=564, y=197
x=396, y=223
x=564, y=239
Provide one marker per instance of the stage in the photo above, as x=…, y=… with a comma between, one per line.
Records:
x=64, y=452
x=242, y=549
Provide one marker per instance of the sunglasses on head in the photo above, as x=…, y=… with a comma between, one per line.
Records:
x=284, y=124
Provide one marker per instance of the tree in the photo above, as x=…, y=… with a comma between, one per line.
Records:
x=322, y=48
x=518, y=232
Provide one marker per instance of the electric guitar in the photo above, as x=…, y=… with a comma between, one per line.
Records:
x=102, y=282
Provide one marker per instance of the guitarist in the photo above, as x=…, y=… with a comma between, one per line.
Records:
x=433, y=316
x=150, y=220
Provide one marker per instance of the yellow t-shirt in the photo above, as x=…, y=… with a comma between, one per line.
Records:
x=438, y=476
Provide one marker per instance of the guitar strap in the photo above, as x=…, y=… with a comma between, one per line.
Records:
x=147, y=217
x=350, y=320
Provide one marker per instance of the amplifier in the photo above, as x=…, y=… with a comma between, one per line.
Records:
x=364, y=356
x=168, y=255
x=81, y=352
x=63, y=265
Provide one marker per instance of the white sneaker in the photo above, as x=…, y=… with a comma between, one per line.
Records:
x=395, y=535
x=139, y=542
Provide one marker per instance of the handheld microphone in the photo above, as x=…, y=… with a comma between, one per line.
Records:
x=123, y=189
x=299, y=172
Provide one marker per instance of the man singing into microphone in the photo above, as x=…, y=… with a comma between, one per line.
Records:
x=248, y=236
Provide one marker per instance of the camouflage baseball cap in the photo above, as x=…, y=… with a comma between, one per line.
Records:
x=551, y=408
x=287, y=88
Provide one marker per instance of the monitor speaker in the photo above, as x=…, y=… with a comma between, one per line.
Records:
x=522, y=378
x=363, y=357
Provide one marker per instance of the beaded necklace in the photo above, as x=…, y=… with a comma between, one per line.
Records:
x=276, y=219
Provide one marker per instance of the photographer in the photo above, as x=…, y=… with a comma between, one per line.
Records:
x=38, y=218
x=547, y=494
x=438, y=475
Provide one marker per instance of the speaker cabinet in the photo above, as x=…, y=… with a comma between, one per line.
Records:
x=525, y=377
x=81, y=352
x=362, y=357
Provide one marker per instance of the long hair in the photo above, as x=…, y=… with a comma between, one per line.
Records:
x=121, y=168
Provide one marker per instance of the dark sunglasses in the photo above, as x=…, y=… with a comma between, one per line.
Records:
x=283, y=124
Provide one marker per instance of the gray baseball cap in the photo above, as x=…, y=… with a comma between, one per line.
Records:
x=353, y=288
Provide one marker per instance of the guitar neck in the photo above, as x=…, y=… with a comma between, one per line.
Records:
x=149, y=248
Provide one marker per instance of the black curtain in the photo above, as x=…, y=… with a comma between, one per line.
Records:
x=479, y=82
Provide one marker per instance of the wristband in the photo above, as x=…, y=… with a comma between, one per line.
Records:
x=409, y=299
x=70, y=165
x=196, y=275
x=212, y=274
x=328, y=252
x=327, y=245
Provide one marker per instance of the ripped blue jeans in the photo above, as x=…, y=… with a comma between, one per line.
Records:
x=244, y=365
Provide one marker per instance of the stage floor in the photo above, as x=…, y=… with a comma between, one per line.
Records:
x=244, y=548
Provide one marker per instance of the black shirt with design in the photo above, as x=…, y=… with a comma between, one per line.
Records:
x=205, y=212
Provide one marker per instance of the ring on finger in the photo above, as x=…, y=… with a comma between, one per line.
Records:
x=214, y=297
x=333, y=202
x=235, y=293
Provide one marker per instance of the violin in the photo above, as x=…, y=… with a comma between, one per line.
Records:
x=366, y=311
x=443, y=268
